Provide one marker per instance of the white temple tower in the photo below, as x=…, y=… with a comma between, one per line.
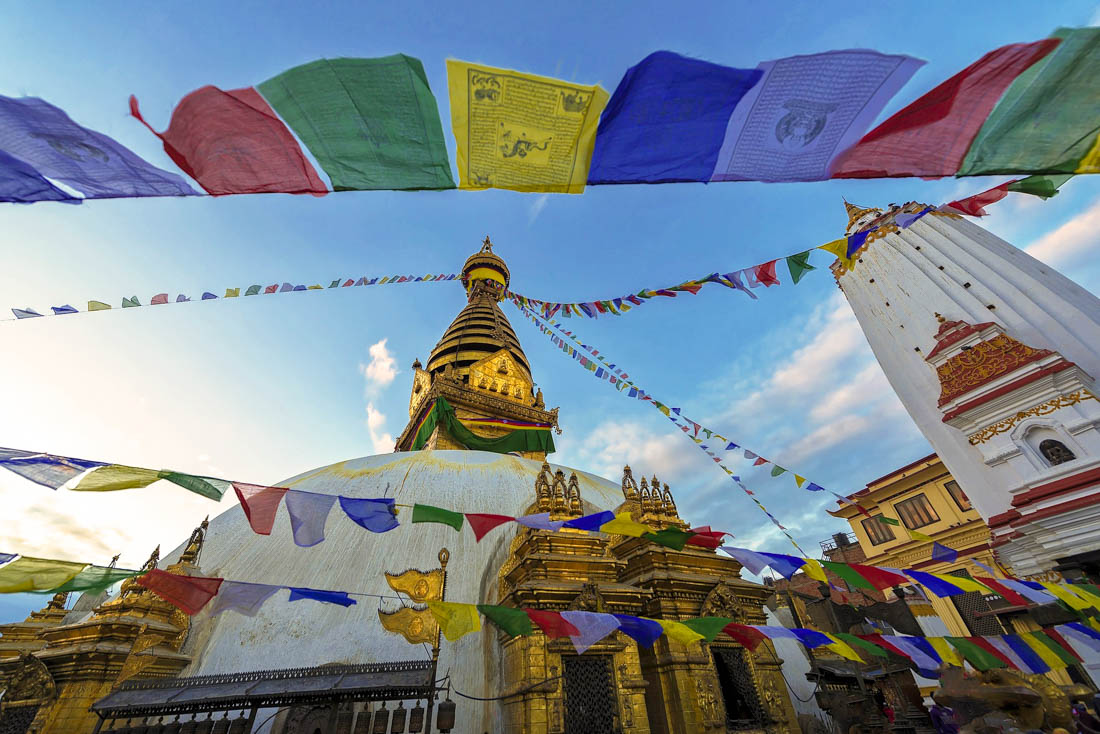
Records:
x=994, y=355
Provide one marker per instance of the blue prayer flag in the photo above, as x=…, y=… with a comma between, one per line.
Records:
x=5, y=557
x=855, y=242
x=1026, y=654
x=207, y=295
x=643, y=631
x=666, y=120
x=903, y=221
x=933, y=584
x=811, y=638
x=376, y=515
x=784, y=565
x=22, y=184
x=46, y=138
x=182, y=299
x=591, y=522
x=45, y=469
x=943, y=553
x=327, y=597
x=25, y=313
x=812, y=487
x=58, y=310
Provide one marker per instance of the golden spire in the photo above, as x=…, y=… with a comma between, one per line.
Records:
x=855, y=213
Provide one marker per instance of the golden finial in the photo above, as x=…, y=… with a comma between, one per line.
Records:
x=940, y=318
x=487, y=245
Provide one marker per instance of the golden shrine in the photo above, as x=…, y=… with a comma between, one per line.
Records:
x=478, y=437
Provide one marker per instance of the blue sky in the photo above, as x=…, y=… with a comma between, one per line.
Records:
x=261, y=389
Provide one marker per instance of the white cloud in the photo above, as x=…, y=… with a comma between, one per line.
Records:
x=381, y=369
x=382, y=442
x=1095, y=19
x=614, y=444
x=1069, y=240
x=537, y=206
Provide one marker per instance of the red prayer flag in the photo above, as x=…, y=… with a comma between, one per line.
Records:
x=877, y=640
x=1010, y=596
x=552, y=624
x=189, y=593
x=259, y=504
x=705, y=537
x=759, y=460
x=271, y=288
x=974, y=206
x=158, y=299
x=1057, y=637
x=234, y=143
x=878, y=577
x=690, y=287
x=483, y=523
x=931, y=136
x=744, y=634
x=765, y=273
x=984, y=644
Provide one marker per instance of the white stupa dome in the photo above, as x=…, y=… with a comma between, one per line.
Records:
x=307, y=633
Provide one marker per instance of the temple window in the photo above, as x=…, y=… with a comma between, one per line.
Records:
x=1055, y=452
x=743, y=710
x=916, y=512
x=958, y=495
x=877, y=531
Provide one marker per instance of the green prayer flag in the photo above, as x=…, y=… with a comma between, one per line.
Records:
x=370, y=123
x=428, y=513
x=670, y=537
x=36, y=574
x=708, y=627
x=862, y=645
x=888, y=520
x=130, y=302
x=1064, y=655
x=253, y=290
x=849, y=574
x=1040, y=185
x=777, y=470
x=799, y=265
x=513, y=621
x=1046, y=121
x=93, y=578
x=975, y=655
x=206, y=486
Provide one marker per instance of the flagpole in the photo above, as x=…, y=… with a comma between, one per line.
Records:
x=444, y=556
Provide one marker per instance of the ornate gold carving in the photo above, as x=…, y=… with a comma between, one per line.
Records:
x=984, y=362
x=589, y=600
x=630, y=487
x=415, y=625
x=501, y=374
x=30, y=684
x=420, y=586
x=721, y=601
x=1062, y=401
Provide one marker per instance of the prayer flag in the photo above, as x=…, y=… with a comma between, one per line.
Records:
x=679, y=632
x=36, y=574
x=130, y=302
x=939, y=587
x=1080, y=633
x=259, y=504
x=590, y=522
x=232, y=142
x=206, y=486
x=552, y=624
x=112, y=477
x=23, y=313
x=428, y=513
x=943, y=553
x=253, y=290
x=98, y=306
x=759, y=460
x=1046, y=121
x=754, y=561
x=974, y=206
x=815, y=570
x=58, y=310
x=643, y=631
x=669, y=537
x=707, y=627
x=513, y=621
x=765, y=273
x=1037, y=596
x=704, y=537
x=482, y=523
x=926, y=659
x=976, y=655
x=1003, y=650
x=43, y=136
x=750, y=638
x=1064, y=595
x=158, y=299
x=376, y=515
x=904, y=221
x=805, y=110
x=843, y=649
x=1010, y=596
x=623, y=525
x=370, y=123
x=1063, y=643
x=308, y=512
x=799, y=265
x=94, y=579
x=799, y=481
x=189, y=593
x=1044, y=653
x=784, y=565
x=1042, y=638
x=45, y=469
x=242, y=597
x=1032, y=661
x=22, y=184
x=520, y=131
x=540, y=521
x=947, y=653
x=856, y=643
x=811, y=638
x=931, y=136
x=666, y=120
x=856, y=241
x=325, y=597
x=236, y=292
x=1042, y=186
x=888, y=520
x=591, y=627
x=864, y=577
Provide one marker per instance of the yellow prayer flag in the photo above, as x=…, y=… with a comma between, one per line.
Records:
x=679, y=632
x=814, y=570
x=232, y=292
x=913, y=534
x=314, y=288
x=456, y=620
x=520, y=131
x=949, y=654
x=798, y=480
x=1045, y=653
x=1074, y=601
x=117, y=476
x=1091, y=599
x=838, y=248
x=623, y=525
x=842, y=648
x=36, y=574
x=964, y=583
x=98, y=306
